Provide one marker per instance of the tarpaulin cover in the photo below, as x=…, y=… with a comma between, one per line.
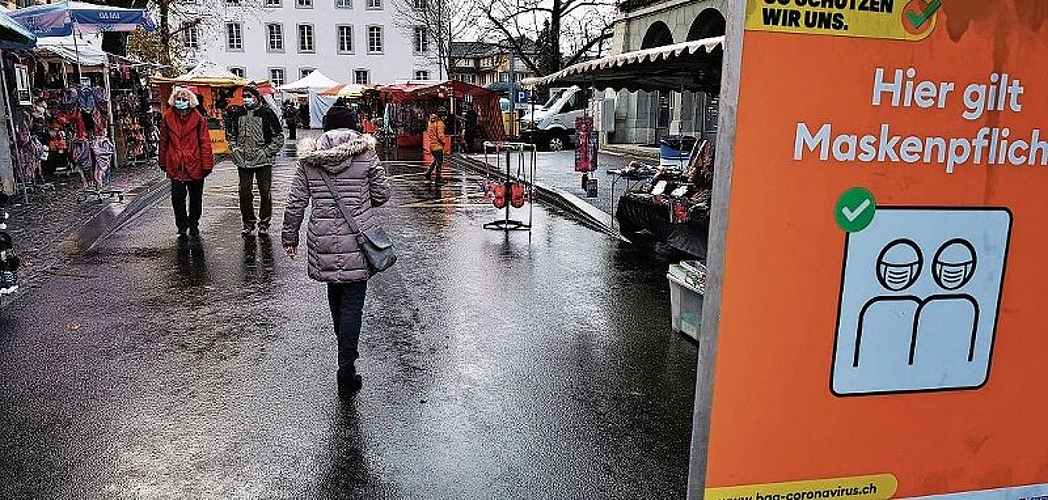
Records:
x=318, y=107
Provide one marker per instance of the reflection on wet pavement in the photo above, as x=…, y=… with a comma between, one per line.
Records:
x=495, y=365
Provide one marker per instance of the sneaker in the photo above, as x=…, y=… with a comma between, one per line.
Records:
x=248, y=229
x=10, y=285
x=9, y=277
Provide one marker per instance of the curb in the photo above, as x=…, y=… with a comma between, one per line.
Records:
x=626, y=151
x=114, y=216
x=585, y=213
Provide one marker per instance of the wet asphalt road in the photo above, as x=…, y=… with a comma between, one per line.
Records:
x=495, y=366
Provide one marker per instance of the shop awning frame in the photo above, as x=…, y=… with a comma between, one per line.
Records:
x=694, y=66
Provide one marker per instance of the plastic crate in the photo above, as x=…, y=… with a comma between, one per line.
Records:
x=685, y=305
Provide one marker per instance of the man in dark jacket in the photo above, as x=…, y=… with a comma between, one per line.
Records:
x=255, y=137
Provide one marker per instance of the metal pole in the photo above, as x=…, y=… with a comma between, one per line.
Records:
x=512, y=95
x=14, y=133
x=76, y=48
x=109, y=101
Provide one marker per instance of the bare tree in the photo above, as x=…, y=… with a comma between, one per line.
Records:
x=176, y=21
x=434, y=25
x=565, y=31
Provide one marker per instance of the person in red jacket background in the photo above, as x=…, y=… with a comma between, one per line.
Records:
x=185, y=155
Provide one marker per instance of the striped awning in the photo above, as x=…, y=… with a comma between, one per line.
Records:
x=694, y=65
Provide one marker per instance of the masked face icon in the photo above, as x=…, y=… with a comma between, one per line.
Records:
x=899, y=265
x=954, y=264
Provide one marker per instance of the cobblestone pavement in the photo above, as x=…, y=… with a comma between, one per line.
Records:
x=39, y=225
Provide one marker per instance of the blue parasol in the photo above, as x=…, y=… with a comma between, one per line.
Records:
x=62, y=19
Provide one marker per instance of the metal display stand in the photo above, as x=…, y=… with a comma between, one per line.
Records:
x=99, y=190
x=631, y=184
x=525, y=163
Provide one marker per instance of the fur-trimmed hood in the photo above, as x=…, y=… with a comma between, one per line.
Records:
x=334, y=148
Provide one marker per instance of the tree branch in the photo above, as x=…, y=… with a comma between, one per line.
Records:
x=586, y=48
x=514, y=42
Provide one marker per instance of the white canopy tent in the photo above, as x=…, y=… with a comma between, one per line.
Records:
x=64, y=47
x=314, y=82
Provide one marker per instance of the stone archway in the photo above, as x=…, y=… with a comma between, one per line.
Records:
x=658, y=34
x=709, y=23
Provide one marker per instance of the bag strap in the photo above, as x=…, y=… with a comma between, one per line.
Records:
x=353, y=227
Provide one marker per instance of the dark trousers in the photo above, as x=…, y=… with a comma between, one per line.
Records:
x=347, y=309
x=438, y=161
x=264, y=175
x=292, y=130
x=195, y=190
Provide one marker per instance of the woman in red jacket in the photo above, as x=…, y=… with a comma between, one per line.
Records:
x=185, y=155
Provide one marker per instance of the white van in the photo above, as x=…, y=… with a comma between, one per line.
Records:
x=552, y=126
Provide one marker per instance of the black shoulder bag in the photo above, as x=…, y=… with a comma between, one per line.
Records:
x=374, y=243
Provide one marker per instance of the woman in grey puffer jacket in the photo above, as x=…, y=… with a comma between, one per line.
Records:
x=334, y=255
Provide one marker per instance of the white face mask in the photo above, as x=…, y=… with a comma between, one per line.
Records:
x=953, y=276
x=897, y=277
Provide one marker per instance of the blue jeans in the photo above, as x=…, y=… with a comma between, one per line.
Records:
x=347, y=310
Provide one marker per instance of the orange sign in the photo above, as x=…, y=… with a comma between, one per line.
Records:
x=882, y=326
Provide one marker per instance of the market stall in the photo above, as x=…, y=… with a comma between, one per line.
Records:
x=408, y=107
x=309, y=86
x=65, y=102
x=666, y=202
x=12, y=36
x=63, y=125
x=217, y=89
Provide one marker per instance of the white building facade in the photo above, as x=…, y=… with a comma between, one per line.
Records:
x=350, y=41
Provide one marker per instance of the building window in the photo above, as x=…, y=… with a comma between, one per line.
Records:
x=273, y=4
x=343, y=4
x=361, y=77
x=421, y=75
x=277, y=76
x=240, y=72
x=275, y=37
x=304, y=72
x=234, y=36
x=345, y=39
x=305, y=38
x=374, y=39
x=375, y=4
x=192, y=37
x=418, y=4
x=304, y=4
x=421, y=40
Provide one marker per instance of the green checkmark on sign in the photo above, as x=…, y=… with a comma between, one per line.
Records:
x=855, y=209
x=925, y=15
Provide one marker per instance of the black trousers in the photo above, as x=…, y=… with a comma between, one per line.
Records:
x=292, y=130
x=264, y=176
x=438, y=161
x=186, y=219
x=347, y=310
